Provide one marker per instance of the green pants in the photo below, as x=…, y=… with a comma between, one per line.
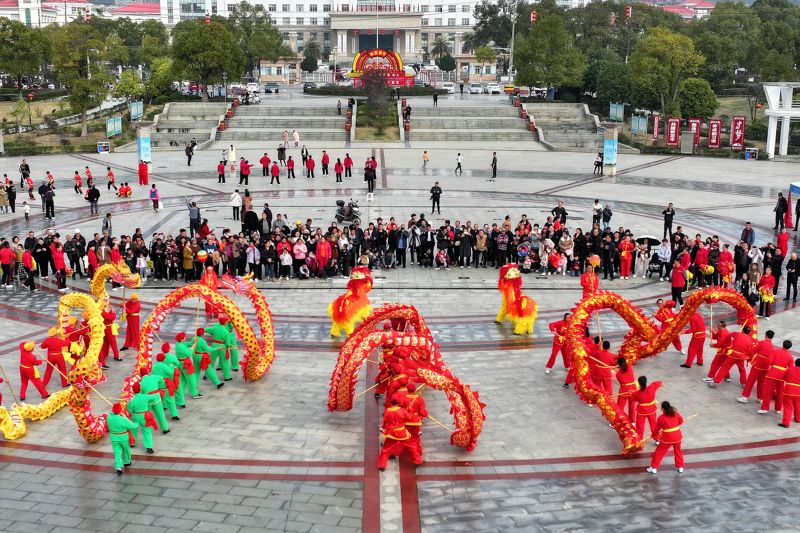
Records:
x=234, y=358
x=180, y=399
x=218, y=360
x=169, y=402
x=122, y=452
x=147, y=432
x=188, y=384
x=157, y=408
x=209, y=373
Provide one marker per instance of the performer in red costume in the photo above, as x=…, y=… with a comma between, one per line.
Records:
x=109, y=340
x=665, y=315
x=779, y=363
x=726, y=266
x=559, y=329
x=700, y=262
x=791, y=395
x=740, y=348
x=759, y=366
x=210, y=280
x=55, y=346
x=602, y=364
x=697, y=327
x=720, y=335
x=668, y=434
x=28, y=371
x=143, y=172
x=627, y=386
x=766, y=289
x=645, y=399
x=416, y=411
x=396, y=436
x=132, y=309
x=589, y=280
x=625, y=249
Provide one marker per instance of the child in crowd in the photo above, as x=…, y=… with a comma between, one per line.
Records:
x=442, y=260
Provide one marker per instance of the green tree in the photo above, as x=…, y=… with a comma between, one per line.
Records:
x=309, y=64
x=483, y=55
x=313, y=50
x=202, y=52
x=440, y=47
x=129, y=86
x=22, y=49
x=375, y=86
x=644, y=96
x=19, y=111
x=469, y=42
x=446, y=63
x=613, y=83
x=116, y=52
x=665, y=59
x=160, y=77
x=697, y=99
x=256, y=36
x=77, y=65
x=547, y=56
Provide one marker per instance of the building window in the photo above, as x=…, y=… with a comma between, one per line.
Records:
x=312, y=21
x=231, y=7
x=272, y=7
x=424, y=22
x=298, y=8
x=451, y=22
x=437, y=9
x=465, y=22
x=326, y=8
x=451, y=8
x=279, y=71
x=345, y=7
x=313, y=8
x=286, y=7
x=465, y=8
x=299, y=21
x=287, y=21
x=437, y=22
x=425, y=8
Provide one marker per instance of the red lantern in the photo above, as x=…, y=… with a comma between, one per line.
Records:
x=355, y=32
x=397, y=32
x=759, y=105
x=533, y=17
x=87, y=16
x=369, y=32
x=208, y=18
x=628, y=12
x=30, y=97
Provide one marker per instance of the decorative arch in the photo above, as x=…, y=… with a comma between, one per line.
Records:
x=644, y=340
x=409, y=330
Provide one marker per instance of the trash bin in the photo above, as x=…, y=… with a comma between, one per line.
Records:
x=751, y=153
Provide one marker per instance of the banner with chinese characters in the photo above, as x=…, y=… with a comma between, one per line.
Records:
x=737, y=133
x=656, y=126
x=673, y=131
x=694, y=127
x=714, y=131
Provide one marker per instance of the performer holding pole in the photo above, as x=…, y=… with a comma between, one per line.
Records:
x=120, y=427
x=668, y=434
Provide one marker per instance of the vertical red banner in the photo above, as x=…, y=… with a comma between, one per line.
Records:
x=737, y=133
x=694, y=127
x=673, y=131
x=714, y=131
x=656, y=126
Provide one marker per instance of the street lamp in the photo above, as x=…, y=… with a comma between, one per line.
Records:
x=30, y=99
x=225, y=86
x=334, y=51
x=513, y=27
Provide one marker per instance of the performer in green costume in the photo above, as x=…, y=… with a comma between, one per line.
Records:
x=200, y=348
x=220, y=346
x=139, y=408
x=174, y=374
x=120, y=427
x=153, y=386
x=183, y=352
x=234, y=348
x=168, y=373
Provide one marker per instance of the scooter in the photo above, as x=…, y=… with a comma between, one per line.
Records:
x=350, y=214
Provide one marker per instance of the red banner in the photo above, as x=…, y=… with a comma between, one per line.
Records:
x=673, y=131
x=737, y=133
x=714, y=130
x=656, y=126
x=694, y=127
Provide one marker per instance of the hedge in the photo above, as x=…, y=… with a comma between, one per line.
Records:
x=346, y=90
x=11, y=95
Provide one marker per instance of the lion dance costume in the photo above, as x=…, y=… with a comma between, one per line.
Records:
x=353, y=306
x=517, y=308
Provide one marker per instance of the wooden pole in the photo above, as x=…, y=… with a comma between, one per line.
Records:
x=67, y=378
x=439, y=423
x=362, y=393
x=711, y=326
x=5, y=377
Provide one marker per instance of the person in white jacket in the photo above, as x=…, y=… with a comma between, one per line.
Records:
x=236, y=204
x=232, y=157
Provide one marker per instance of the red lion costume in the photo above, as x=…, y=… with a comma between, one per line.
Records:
x=517, y=308
x=353, y=306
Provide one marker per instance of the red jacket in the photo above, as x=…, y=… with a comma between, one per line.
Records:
x=275, y=170
x=767, y=281
x=763, y=352
x=220, y=169
x=697, y=326
x=244, y=168
x=701, y=258
x=54, y=346
x=559, y=329
x=646, y=399
x=27, y=363
x=326, y=159
x=678, y=279
x=780, y=361
x=264, y=161
x=394, y=423
x=668, y=428
x=792, y=385
x=740, y=346
x=58, y=259
x=310, y=164
x=348, y=162
x=338, y=168
x=7, y=256
x=290, y=164
x=27, y=259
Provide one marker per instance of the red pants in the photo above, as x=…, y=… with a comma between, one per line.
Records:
x=622, y=400
x=37, y=382
x=715, y=364
x=394, y=448
x=109, y=341
x=791, y=404
x=554, y=352
x=725, y=368
x=772, y=387
x=755, y=377
x=676, y=342
x=695, y=350
x=58, y=361
x=604, y=383
x=641, y=419
x=661, y=451
x=625, y=267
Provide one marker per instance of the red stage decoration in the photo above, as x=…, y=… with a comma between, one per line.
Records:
x=714, y=131
x=656, y=126
x=673, y=131
x=352, y=306
x=517, y=308
x=410, y=331
x=645, y=339
x=387, y=62
x=694, y=127
x=737, y=133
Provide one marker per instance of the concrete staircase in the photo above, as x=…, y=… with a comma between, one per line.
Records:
x=268, y=122
x=566, y=126
x=182, y=121
x=452, y=123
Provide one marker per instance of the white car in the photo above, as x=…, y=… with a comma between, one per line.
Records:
x=253, y=87
x=449, y=87
x=494, y=88
x=475, y=88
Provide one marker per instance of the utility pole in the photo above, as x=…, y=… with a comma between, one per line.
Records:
x=377, y=24
x=513, y=28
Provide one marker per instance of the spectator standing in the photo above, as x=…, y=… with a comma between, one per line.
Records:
x=221, y=172
x=93, y=195
x=607, y=214
x=189, y=153
x=290, y=168
x=494, y=166
x=781, y=207
x=155, y=197
x=597, y=212
x=436, y=195
x=194, y=217
x=425, y=158
x=348, y=166
x=275, y=173
x=107, y=228
x=296, y=138
x=459, y=160
x=244, y=171
x=310, y=165
x=669, y=215
x=435, y=99
x=748, y=234
x=338, y=168
x=792, y=267
x=265, y=160
x=326, y=160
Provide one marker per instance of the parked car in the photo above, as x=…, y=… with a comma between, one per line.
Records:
x=271, y=87
x=509, y=88
x=449, y=87
x=475, y=88
x=253, y=87
x=308, y=85
x=493, y=88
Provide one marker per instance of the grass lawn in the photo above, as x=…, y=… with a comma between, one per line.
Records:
x=731, y=106
x=38, y=110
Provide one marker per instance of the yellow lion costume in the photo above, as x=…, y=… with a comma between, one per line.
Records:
x=353, y=306
x=517, y=308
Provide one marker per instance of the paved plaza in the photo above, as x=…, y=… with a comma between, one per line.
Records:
x=268, y=456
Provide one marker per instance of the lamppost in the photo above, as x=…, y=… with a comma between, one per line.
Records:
x=30, y=99
x=513, y=6
x=334, y=51
x=225, y=85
